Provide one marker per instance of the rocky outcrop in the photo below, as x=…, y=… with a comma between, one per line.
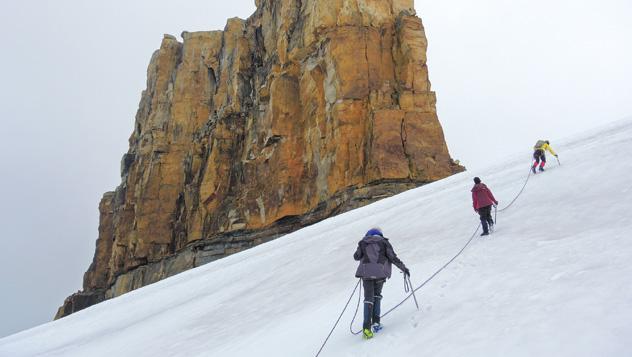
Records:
x=307, y=109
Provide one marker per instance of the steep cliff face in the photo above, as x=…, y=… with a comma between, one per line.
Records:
x=307, y=109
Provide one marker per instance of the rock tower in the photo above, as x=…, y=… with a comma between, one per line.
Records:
x=305, y=110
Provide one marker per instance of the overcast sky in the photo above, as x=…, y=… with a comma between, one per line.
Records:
x=506, y=73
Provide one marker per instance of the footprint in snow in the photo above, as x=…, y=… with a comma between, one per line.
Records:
x=414, y=321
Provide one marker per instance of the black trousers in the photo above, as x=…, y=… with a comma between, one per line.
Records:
x=539, y=155
x=372, y=301
x=486, y=217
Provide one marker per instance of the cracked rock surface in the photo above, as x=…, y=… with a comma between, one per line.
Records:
x=305, y=110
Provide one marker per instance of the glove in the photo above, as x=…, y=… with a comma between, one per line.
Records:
x=406, y=272
x=556, y=156
x=496, y=203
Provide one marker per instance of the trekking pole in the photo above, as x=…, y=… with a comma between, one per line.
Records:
x=408, y=287
x=558, y=161
x=495, y=214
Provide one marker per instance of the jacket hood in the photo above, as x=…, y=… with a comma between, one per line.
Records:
x=372, y=239
x=478, y=187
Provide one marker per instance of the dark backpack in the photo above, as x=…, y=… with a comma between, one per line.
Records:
x=373, y=252
x=374, y=263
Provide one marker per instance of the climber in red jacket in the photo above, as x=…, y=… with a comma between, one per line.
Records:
x=482, y=200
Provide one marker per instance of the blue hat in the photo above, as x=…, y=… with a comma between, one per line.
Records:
x=374, y=232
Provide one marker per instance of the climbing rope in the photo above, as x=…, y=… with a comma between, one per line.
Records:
x=462, y=249
x=412, y=293
x=408, y=285
x=355, y=314
x=435, y=273
x=519, y=193
x=339, y=317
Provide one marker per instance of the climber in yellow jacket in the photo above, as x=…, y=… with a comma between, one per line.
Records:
x=538, y=154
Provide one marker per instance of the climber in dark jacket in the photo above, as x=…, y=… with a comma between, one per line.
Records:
x=482, y=200
x=376, y=255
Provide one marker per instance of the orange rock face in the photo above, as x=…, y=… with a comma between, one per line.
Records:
x=305, y=110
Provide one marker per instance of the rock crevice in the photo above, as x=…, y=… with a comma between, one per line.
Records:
x=304, y=110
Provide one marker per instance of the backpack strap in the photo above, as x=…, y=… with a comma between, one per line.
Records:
x=382, y=253
x=365, y=257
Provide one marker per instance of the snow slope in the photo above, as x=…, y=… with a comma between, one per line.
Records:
x=554, y=280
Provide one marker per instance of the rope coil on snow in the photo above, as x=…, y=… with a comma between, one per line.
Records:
x=408, y=286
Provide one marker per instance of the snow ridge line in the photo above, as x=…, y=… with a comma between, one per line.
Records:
x=420, y=286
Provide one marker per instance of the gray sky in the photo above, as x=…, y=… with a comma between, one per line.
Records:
x=506, y=74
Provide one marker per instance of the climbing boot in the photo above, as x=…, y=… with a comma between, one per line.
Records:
x=367, y=334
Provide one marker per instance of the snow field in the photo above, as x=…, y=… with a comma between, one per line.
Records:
x=553, y=280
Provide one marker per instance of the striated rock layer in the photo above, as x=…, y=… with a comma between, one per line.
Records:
x=307, y=109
